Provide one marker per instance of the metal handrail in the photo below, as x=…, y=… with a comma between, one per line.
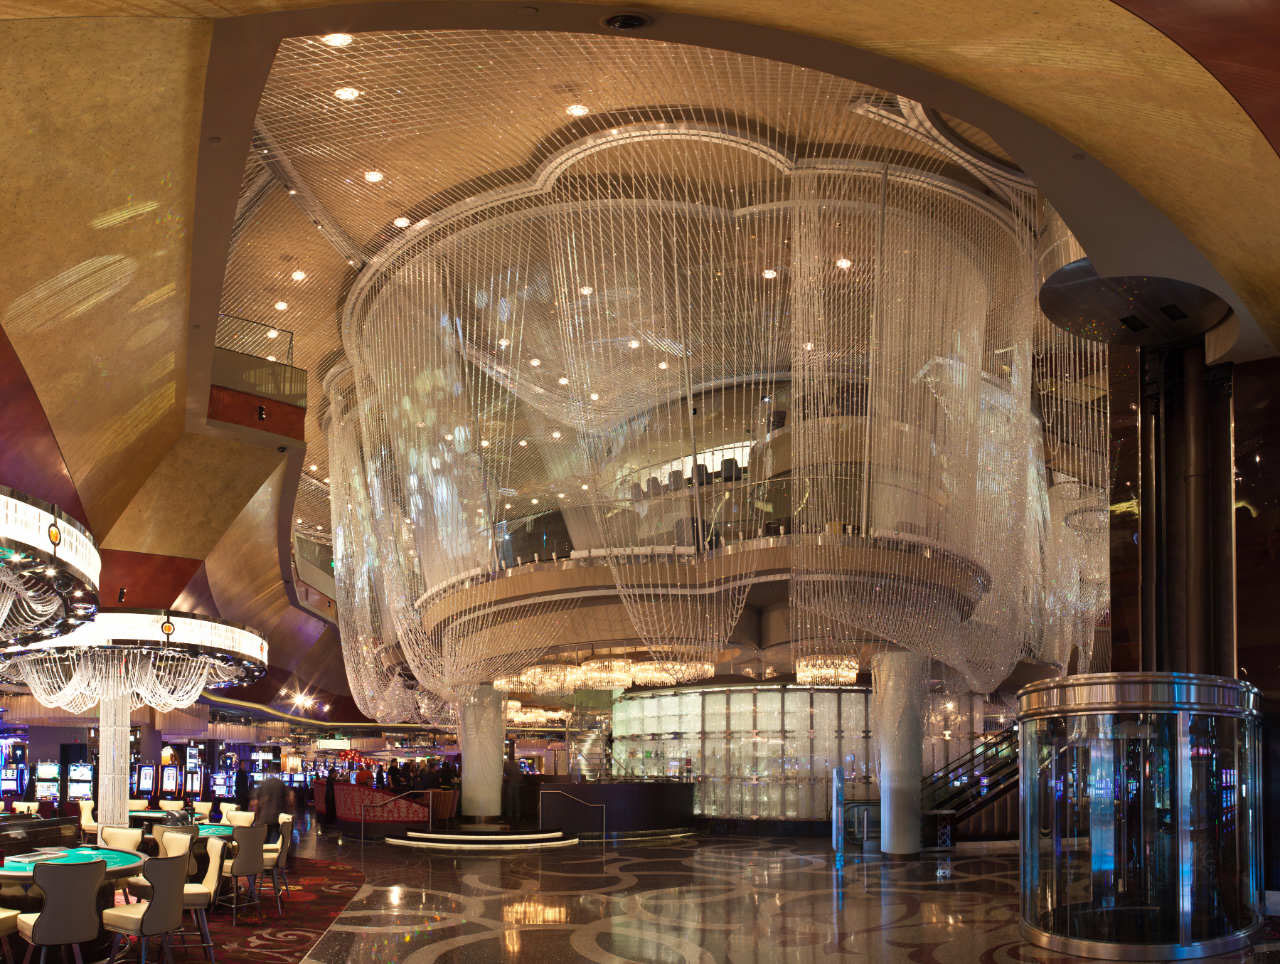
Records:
x=390, y=800
x=604, y=810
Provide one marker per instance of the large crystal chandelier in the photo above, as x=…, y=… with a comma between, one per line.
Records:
x=125, y=659
x=49, y=571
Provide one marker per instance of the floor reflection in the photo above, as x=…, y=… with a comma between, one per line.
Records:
x=704, y=899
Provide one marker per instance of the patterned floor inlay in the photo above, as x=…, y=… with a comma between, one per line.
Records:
x=705, y=899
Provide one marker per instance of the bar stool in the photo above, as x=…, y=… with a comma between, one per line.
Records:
x=173, y=842
x=240, y=818
x=198, y=897
x=120, y=838
x=246, y=864
x=158, y=917
x=70, y=912
x=274, y=857
x=87, y=824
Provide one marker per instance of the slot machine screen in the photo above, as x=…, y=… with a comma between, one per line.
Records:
x=9, y=780
x=193, y=783
x=46, y=772
x=169, y=779
x=81, y=773
x=146, y=780
x=79, y=791
x=46, y=789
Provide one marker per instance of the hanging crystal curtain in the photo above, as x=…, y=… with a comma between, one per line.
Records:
x=439, y=347
x=668, y=250
x=381, y=685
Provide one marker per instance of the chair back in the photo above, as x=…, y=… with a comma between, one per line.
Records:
x=120, y=838
x=248, y=858
x=240, y=818
x=227, y=809
x=203, y=807
x=171, y=805
x=214, y=871
x=166, y=875
x=70, y=912
x=286, y=837
x=137, y=805
x=26, y=806
x=86, y=813
x=176, y=841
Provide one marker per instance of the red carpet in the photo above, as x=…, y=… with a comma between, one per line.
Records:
x=318, y=892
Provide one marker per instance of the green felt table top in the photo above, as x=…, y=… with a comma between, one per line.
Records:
x=149, y=813
x=115, y=859
x=216, y=829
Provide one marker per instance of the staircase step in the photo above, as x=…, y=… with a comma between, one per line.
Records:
x=483, y=843
x=485, y=836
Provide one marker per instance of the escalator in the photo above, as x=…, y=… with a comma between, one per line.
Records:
x=972, y=796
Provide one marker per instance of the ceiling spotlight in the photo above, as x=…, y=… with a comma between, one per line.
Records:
x=281, y=305
x=346, y=93
x=662, y=366
x=559, y=495
x=313, y=467
x=535, y=362
x=555, y=434
x=504, y=342
x=373, y=177
x=577, y=110
x=633, y=343
x=484, y=443
x=298, y=275
x=585, y=487
x=586, y=290
x=299, y=518
x=326, y=480
x=292, y=191
x=271, y=358
x=336, y=39
x=523, y=443
x=533, y=501
x=808, y=346
x=401, y=222
x=272, y=333
x=449, y=437
x=769, y=274
x=844, y=264
x=595, y=396
x=563, y=380
x=507, y=506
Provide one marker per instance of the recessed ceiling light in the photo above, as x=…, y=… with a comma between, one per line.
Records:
x=808, y=346
x=272, y=333
x=533, y=501
x=555, y=434
x=595, y=396
x=292, y=191
x=313, y=467
x=535, y=362
x=373, y=177
x=299, y=518
x=402, y=222
x=336, y=39
x=577, y=110
x=559, y=495
x=281, y=305
x=585, y=487
x=844, y=264
x=271, y=358
x=662, y=365
x=449, y=437
x=633, y=343
x=484, y=443
x=523, y=443
x=769, y=273
x=504, y=342
x=586, y=290
x=562, y=380
x=346, y=93
x=507, y=506
x=298, y=275
x=326, y=480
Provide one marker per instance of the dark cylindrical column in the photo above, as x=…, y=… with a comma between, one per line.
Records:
x=1188, y=526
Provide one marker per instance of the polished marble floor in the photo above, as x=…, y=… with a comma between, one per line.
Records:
x=704, y=899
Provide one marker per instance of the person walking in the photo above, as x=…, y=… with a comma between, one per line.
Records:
x=242, y=786
x=269, y=802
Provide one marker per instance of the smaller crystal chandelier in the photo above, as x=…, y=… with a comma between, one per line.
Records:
x=827, y=669
x=612, y=673
x=670, y=672
x=49, y=571
x=551, y=679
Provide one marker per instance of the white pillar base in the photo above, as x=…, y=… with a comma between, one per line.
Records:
x=481, y=733
x=897, y=708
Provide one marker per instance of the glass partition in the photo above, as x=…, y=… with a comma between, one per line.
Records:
x=1140, y=799
x=753, y=752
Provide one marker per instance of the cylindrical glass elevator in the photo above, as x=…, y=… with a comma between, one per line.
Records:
x=1141, y=800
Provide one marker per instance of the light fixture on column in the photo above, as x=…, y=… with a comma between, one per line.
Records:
x=827, y=669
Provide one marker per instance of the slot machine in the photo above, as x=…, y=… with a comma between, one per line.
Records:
x=9, y=781
x=47, y=778
x=146, y=779
x=194, y=782
x=169, y=779
x=80, y=782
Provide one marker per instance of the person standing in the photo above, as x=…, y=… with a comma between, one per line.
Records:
x=380, y=778
x=330, y=800
x=269, y=801
x=363, y=777
x=242, y=786
x=393, y=775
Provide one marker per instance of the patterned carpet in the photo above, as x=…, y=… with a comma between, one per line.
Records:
x=319, y=890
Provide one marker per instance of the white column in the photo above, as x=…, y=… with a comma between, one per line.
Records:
x=481, y=731
x=113, y=759
x=897, y=711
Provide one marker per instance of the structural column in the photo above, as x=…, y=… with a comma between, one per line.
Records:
x=897, y=708
x=113, y=758
x=481, y=732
